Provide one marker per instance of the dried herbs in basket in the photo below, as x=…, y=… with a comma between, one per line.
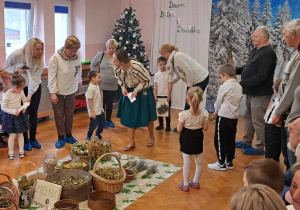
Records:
x=24, y=183
x=4, y=203
x=79, y=149
x=70, y=181
x=109, y=173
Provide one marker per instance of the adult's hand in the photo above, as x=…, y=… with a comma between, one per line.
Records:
x=54, y=98
x=134, y=94
x=124, y=92
x=29, y=97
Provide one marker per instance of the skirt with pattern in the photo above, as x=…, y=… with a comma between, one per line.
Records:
x=15, y=124
x=140, y=112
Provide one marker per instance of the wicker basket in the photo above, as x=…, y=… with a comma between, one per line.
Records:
x=10, y=188
x=101, y=200
x=33, y=177
x=86, y=168
x=130, y=174
x=112, y=186
x=11, y=202
x=77, y=192
x=82, y=157
x=66, y=202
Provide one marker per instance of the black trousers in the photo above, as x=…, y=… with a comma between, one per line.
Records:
x=168, y=119
x=108, y=97
x=32, y=111
x=273, y=141
x=284, y=144
x=202, y=85
x=225, y=133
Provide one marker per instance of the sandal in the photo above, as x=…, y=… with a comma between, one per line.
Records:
x=150, y=144
x=183, y=187
x=195, y=185
x=129, y=147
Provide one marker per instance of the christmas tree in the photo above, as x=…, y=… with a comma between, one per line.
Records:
x=128, y=36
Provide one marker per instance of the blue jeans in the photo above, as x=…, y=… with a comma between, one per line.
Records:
x=98, y=123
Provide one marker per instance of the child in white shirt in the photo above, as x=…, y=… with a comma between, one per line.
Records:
x=163, y=89
x=14, y=117
x=95, y=106
x=227, y=108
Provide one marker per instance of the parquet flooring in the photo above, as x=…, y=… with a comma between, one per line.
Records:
x=216, y=186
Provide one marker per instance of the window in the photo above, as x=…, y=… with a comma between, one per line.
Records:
x=62, y=25
x=18, y=24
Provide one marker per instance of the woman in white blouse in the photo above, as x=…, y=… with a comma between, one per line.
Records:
x=135, y=82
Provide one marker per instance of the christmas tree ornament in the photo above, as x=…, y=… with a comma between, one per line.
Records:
x=127, y=42
x=126, y=12
x=134, y=48
x=120, y=38
x=131, y=21
x=122, y=16
x=128, y=54
x=124, y=48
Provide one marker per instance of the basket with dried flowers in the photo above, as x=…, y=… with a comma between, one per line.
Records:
x=79, y=149
x=96, y=148
x=7, y=203
x=108, y=179
x=9, y=189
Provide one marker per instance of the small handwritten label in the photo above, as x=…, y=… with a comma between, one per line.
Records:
x=187, y=29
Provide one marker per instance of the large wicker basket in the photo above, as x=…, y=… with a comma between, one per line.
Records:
x=112, y=186
x=12, y=206
x=10, y=188
x=78, y=192
x=33, y=177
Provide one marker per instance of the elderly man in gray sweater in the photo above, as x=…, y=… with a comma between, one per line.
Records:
x=290, y=81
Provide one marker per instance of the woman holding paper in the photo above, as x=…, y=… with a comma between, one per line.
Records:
x=137, y=106
x=29, y=62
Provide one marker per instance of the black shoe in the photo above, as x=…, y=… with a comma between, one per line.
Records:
x=168, y=129
x=175, y=129
x=99, y=136
x=159, y=127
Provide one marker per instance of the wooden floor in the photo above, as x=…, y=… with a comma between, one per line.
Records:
x=216, y=186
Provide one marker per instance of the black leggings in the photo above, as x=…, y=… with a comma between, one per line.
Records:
x=108, y=97
x=202, y=85
x=32, y=111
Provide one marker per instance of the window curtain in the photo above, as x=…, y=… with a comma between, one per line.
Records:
x=185, y=24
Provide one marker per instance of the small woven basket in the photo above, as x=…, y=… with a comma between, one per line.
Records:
x=11, y=202
x=10, y=188
x=130, y=174
x=33, y=177
x=86, y=168
x=112, y=186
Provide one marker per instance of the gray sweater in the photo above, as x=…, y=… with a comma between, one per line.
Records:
x=108, y=79
x=295, y=111
x=290, y=81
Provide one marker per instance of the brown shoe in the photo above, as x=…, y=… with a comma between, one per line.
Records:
x=129, y=147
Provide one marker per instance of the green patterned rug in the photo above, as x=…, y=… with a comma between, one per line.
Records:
x=133, y=190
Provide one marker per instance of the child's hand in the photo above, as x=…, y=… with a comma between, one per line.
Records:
x=93, y=115
x=24, y=110
x=17, y=112
x=156, y=99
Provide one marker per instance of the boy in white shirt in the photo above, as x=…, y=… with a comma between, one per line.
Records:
x=227, y=108
x=163, y=89
x=95, y=106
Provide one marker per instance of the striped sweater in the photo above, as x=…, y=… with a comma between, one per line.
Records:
x=136, y=77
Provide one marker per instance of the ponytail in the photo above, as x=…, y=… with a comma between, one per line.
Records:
x=195, y=95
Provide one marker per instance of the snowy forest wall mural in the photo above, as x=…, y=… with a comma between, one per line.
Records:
x=232, y=24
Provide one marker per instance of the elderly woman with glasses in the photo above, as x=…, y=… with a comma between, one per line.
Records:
x=64, y=78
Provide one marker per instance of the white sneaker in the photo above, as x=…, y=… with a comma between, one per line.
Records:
x=22, y=155
x=217, y=166
x=11, y=157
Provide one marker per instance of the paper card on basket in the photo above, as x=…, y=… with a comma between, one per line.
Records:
x=162, y=107
x=131, y=99
x=47, y=193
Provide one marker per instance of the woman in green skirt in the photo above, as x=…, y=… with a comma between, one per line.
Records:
x=135, y=82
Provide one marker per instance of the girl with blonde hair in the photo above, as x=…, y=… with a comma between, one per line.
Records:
x=191, y=124
x=29, y=62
